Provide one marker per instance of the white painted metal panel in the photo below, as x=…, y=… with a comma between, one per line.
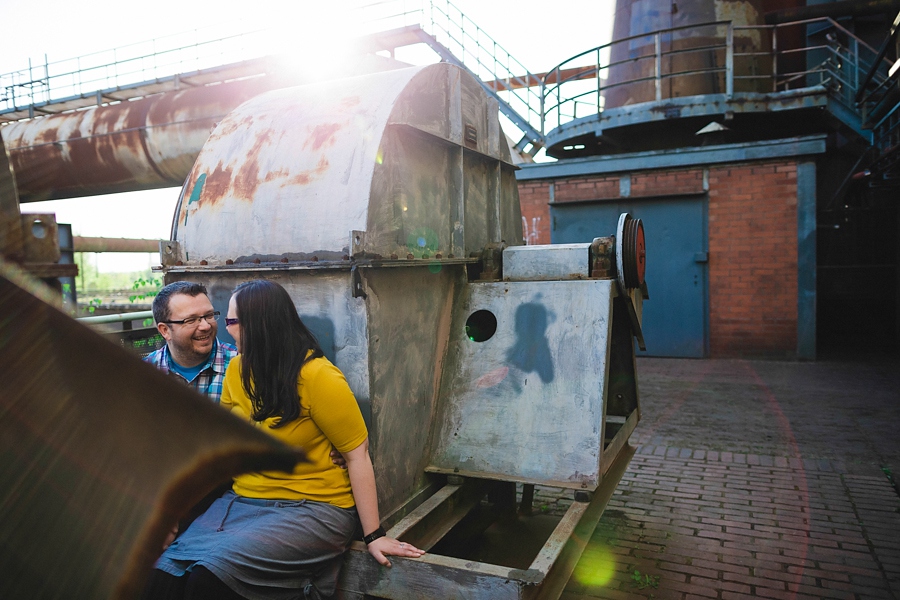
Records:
x=527, y=404
x=547, y=263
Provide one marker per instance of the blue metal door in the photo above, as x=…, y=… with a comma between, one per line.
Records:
x=676, y=316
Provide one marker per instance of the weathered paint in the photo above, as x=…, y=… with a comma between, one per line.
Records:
x=527, y=404
x=10, y=223
x=382, y=154
x=547, y=263
x=144, y=144
x=698, y=48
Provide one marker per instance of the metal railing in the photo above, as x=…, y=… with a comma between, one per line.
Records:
x=133, y=64
x=710, y=58
x=486, y=59
x=207, y=48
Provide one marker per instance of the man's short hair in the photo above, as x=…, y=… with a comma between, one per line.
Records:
x=161, y=310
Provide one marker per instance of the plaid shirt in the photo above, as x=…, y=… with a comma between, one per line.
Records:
x=211, y=377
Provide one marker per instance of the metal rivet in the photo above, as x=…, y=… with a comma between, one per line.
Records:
x=229, y=262
x=345, y=257
x=394, y=256
x=203, y=262
x=284, y=259
x=179, y=263
x=256, y=261
x=410, y=256
x=439, y=255
x=315, y=259
x=450, y=255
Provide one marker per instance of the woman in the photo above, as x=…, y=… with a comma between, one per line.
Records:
x=282, y=535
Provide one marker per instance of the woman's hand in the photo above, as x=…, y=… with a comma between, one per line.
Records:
x=386, y=546
x=170, y=537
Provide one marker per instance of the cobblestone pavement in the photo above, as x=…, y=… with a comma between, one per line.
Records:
x=753, y=479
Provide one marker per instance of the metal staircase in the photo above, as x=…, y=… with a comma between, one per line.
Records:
x=198, y=58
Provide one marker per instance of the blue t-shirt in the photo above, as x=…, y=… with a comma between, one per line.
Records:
x=187, y=372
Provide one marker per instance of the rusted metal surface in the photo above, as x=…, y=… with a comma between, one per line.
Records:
x=144, y=144
x=99, y=455
x=10, y=221
x=101, y=244
x=381, y=154
x=41, y=238
x=693, y=49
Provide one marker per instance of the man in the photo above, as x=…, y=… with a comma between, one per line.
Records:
x=186, y=319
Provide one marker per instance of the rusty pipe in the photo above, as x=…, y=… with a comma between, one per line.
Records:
x=144, y=144
x=101, y=244
x=11, y=235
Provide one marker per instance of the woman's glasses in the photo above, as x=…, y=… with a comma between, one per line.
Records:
x=230, y=321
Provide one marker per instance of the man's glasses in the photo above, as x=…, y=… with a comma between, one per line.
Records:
x=229, y=321
x=194, y=321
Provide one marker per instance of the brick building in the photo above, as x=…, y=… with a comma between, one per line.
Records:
x=753, y=292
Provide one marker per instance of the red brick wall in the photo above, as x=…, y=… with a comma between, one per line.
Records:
x=752, y=244
x=753, y=259
x=534, y=198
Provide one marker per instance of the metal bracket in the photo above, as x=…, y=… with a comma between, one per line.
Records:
x=357, y=242
x=168, y=252
x=583, y=496
x=356, y=283
x=602, y=257
x=492, y=262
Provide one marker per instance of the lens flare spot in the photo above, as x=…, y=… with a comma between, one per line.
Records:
x=596, y=567
x=379, y=157
x=422, y=242
x=434, y=267
x=493, y=378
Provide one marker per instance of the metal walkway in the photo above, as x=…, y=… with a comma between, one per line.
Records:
x=554, y=109
x=192, y=59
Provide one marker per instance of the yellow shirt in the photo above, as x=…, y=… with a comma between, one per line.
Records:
x=329, y=415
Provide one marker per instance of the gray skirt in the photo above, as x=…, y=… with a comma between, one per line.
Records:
x=266, y=549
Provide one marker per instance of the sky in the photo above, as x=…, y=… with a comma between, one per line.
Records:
x=539, y=34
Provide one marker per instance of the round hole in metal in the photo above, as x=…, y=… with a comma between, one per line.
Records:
x=38, y=229
x=481, y=326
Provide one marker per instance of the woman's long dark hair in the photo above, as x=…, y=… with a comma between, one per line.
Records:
x=275, y=344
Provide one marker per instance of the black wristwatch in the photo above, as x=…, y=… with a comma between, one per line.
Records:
x=378, y=533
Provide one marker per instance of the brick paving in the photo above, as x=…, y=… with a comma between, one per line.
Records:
x=753, y=479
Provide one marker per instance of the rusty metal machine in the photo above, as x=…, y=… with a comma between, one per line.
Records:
x=387, y=205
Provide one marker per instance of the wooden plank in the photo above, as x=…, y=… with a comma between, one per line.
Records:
x=394, y=517
x=559, y=574
x=432, y=576
x=611, y=452
x=426, y=525
x=555, y=544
